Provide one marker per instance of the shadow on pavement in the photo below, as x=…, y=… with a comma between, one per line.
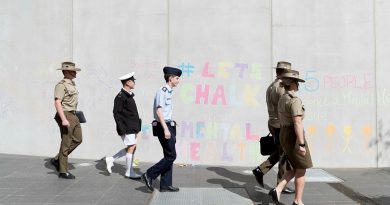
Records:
x=236, y=179
x=117, y=168
x=48, y=165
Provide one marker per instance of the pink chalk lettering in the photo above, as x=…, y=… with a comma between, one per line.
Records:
x=219, y=94
x=200, y=93
x=187, y=129
x=194, y=151
x=205, y=72
x=249, y=135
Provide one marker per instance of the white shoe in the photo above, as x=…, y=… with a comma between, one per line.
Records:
x=109, y=163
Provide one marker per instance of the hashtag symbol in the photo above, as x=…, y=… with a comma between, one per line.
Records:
x=187, y=69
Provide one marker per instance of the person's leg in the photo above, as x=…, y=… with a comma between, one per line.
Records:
x=154, y=171
x=288, y=175
x=299, y=184
x=110, y=160
x=282, y=165
x=119, y=154
x=264, y=167
x=77, y=135
x=63, y=153
x=267, y=165
x=170, y=156
x=130, y=173
x=66, y=142
x=270, y=162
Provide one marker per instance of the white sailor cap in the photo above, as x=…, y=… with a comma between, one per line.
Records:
x=128, y=76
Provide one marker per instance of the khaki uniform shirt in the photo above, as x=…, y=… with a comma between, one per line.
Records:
x=66, y=91
x=273, y=94
x=290, y=106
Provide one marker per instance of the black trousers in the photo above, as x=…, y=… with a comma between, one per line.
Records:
x=164, y=166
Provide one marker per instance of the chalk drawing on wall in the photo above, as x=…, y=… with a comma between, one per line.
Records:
x=367, y=135
x=330, y=134
x=347, y=133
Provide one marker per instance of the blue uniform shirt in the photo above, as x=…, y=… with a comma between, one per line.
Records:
x=163, y=99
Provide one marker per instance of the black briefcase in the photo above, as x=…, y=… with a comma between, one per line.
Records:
x=267, y=145
x=81, y=116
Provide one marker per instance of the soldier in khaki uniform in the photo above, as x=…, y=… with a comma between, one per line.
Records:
x=292, y=137
x=273, y=94
x=65, y=102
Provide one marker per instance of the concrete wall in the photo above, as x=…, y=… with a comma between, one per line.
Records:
x=226, y=50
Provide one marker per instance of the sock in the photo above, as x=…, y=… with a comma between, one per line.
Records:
x=129, y=160
x=120, y=154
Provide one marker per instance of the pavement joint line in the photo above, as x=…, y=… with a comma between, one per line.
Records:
x=350, y=193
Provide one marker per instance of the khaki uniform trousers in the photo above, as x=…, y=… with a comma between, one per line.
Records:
x=71, y=137
x=275, y=157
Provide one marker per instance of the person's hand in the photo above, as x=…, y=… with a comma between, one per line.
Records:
x=167, y=134
x=302, y=150
x=65, y=123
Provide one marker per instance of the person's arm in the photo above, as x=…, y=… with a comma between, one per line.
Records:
x=118, y=107
x=298, y=128
x=60, y=111
x=160, y=116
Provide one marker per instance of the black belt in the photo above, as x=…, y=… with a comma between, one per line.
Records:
x=170, y=123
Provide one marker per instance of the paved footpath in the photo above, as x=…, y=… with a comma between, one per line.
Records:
x=32, y=180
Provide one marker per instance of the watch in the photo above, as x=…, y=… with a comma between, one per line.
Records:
x=302, y=145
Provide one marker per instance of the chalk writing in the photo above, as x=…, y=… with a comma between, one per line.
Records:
x=204, y=94
x=187, y=69
x=363, y=81
x=225, y=70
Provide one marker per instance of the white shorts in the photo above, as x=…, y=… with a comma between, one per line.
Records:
x=129, y=139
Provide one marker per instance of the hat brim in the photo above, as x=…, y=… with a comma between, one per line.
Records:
x=76, y=69
x=299, y=79
x=282, y=68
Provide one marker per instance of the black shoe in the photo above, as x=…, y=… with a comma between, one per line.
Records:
x=294, y=203
x=55, y=163
x=147, y=181
x=66, y=176
x=259, y=176
x=288, y=191
x=169, y=189
x=274, y=196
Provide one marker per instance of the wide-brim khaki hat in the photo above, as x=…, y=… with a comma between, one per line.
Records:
x=292, y=74
x=283, y=65
x=69, y=66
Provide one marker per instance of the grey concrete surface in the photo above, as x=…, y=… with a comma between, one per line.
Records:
x=32, y=180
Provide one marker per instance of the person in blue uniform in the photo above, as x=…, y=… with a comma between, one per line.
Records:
x=166, y=133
